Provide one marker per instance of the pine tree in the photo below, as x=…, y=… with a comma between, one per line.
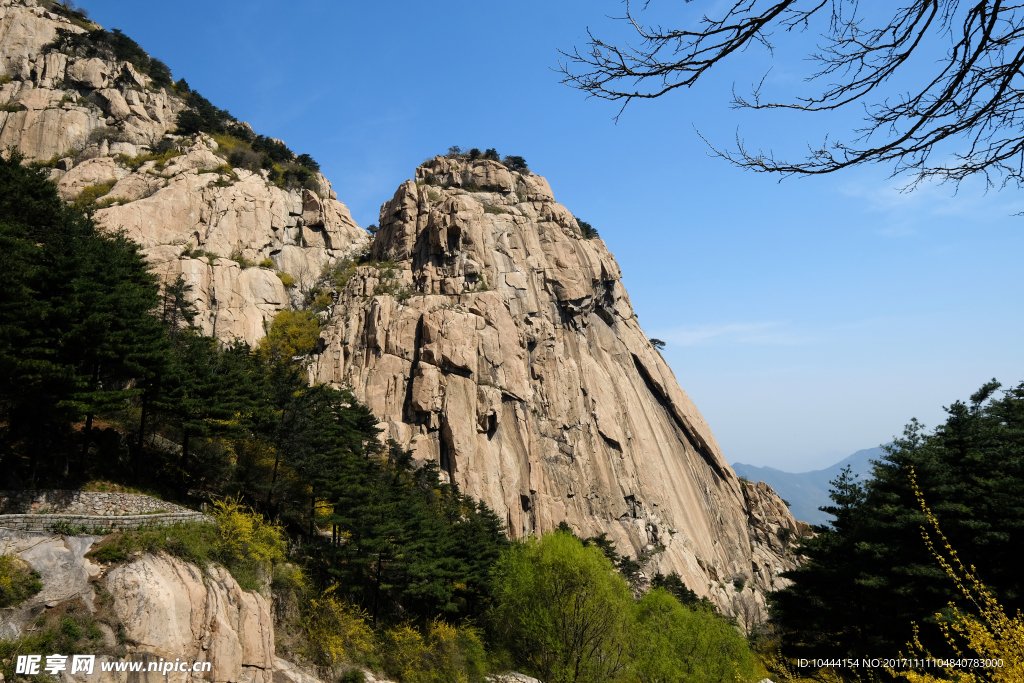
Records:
x=77, y=324
x=868, y=576
x=207, y=391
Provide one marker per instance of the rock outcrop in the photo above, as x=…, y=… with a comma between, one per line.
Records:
x=208, y=223
x=64, y=102
x=64, y=571
x=169, y=609
x=165, y=609
x=94, y=120
x=502, y=345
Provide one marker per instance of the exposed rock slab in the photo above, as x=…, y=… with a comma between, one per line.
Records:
x=169, y=610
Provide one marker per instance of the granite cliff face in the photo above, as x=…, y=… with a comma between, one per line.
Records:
x=492, y=338
x=89, y=118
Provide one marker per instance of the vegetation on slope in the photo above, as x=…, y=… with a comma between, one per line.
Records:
x=18, y=581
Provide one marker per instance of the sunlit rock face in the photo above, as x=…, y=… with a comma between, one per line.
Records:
x=498, y=342
x=193, y=216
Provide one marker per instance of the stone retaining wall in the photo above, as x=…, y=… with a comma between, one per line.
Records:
x=88, y=503
x=45, y=522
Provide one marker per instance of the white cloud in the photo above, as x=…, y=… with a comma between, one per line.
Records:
x=904, y=213
x=759, y=334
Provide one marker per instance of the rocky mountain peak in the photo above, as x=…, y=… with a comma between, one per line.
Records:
x=75, y=99
x=491, y=337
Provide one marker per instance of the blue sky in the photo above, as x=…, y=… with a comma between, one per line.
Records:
x=807, y=319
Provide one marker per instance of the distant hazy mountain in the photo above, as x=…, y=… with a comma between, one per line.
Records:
x=807, y=491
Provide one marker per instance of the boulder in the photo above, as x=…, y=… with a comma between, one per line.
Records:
x=22, y=37
x=90, y=73
x=116, y=105
x=170, y=610
x=98, y=171
x=65, y=573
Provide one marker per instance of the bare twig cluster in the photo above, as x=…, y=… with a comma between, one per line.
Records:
x=973, y=96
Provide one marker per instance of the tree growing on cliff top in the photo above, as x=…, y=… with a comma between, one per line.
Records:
x=969, y=96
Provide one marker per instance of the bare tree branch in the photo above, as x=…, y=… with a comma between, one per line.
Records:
x=973, y=97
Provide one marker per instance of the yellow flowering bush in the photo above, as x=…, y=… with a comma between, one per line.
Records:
x=989, y=635
x=249, y=545
x=448, y=654
x=337, y=632
x=17, y=580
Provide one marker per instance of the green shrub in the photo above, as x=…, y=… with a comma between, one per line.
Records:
x=247, y=159
x=18, y=581
x=321, y=302
x=238, y=258
x=68, y=629
x=10, y=107
x=223, y=169
x=494, y=209
x=561, y=609
x=161, y=159
x=292, y=333
x=353, y=676
x=194, y=542
x=66, y=528
x=267, y=263
x=286, y=279
x=47, y=163
x=342, y=272
x=5, y=79
x=241, y=541
x=587, y=231
x=514, y=163
x=674, y=644
x=199, y=253
x=110, y=555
